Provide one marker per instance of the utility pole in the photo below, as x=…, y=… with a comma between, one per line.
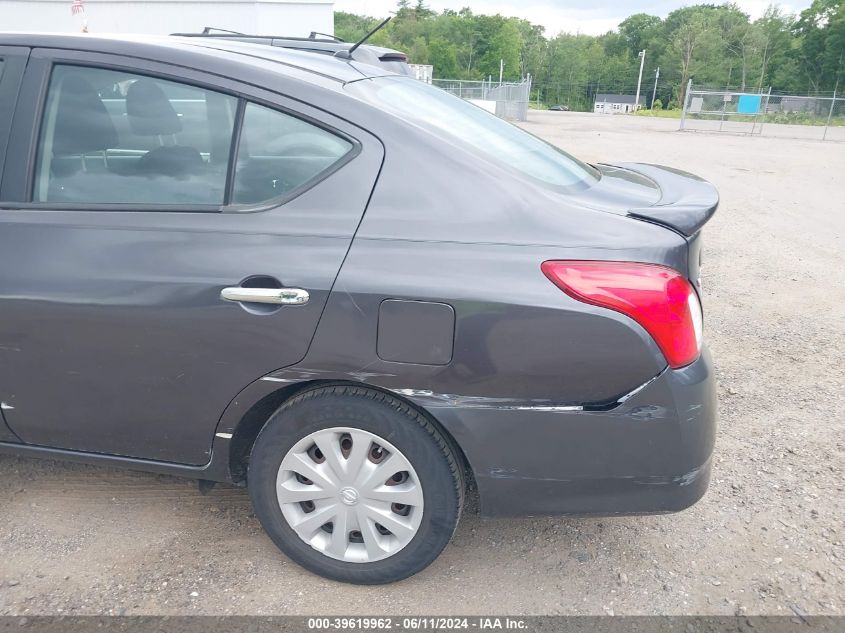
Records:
x=501, y=70
x=654, y=92
x=640, y=80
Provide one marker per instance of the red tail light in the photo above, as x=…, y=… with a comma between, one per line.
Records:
x=660, y=299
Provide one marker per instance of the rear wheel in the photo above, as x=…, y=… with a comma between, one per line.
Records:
x=355, y=485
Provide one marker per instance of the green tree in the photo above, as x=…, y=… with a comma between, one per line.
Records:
x=821, y=30
x=350, y=27
x=742, y=42
x=694, y=45
x=443, y=55
x=713, y=44
x=639, y=31
x=503, y=45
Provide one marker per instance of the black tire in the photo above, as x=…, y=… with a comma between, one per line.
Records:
x=430, y=454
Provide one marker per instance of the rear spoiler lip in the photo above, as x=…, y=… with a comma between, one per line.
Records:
x=686, y=204
x=686, y=220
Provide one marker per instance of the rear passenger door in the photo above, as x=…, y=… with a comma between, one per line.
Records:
x=12, y=64
x=150, y=215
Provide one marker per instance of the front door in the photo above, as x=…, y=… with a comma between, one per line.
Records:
x=165, y=240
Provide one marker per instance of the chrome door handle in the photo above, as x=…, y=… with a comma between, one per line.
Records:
x=280, y=296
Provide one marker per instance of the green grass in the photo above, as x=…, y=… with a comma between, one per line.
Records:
x=802, y=118
x=662, y=114
x=787, y=118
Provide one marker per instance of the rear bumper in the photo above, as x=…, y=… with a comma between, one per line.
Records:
x=649, y=454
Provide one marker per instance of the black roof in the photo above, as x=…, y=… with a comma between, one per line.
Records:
x=611, y=98
x=152, y=46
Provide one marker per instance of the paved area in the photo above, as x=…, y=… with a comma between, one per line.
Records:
x=767, y=538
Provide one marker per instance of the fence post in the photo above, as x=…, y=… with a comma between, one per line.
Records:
x=756, y=116
x=765, y=112
x=686, y=103
x=829, y=116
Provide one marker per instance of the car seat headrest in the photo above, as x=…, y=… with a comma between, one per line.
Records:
x=83, y=124
x=150, y=111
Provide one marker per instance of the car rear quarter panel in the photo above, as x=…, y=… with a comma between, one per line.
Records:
x=526, y=360
x=536, y=390
x=469, y=234
x=517, y=337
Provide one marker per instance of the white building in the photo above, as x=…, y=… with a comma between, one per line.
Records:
x=296, y=18
x=423, y=72
x=615, y=104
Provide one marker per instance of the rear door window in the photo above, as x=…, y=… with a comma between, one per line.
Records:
x=113, y=137
x=279, y=154
x=110, y=137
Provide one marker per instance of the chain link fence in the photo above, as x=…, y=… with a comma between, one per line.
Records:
x=507, y=100
x=465, y=89
x=754, y=113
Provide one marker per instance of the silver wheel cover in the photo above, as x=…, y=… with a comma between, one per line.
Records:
x=350, y=494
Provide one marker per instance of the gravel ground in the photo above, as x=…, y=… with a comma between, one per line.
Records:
x=766, y=539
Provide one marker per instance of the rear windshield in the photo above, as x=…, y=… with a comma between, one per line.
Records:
x=449, y=116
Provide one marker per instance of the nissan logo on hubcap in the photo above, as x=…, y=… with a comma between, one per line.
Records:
x=349, y=496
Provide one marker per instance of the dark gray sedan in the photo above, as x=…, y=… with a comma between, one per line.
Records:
x=349, y=291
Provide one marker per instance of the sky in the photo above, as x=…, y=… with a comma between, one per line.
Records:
x=592, y=17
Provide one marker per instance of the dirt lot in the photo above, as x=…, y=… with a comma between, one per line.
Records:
x=767, y=538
